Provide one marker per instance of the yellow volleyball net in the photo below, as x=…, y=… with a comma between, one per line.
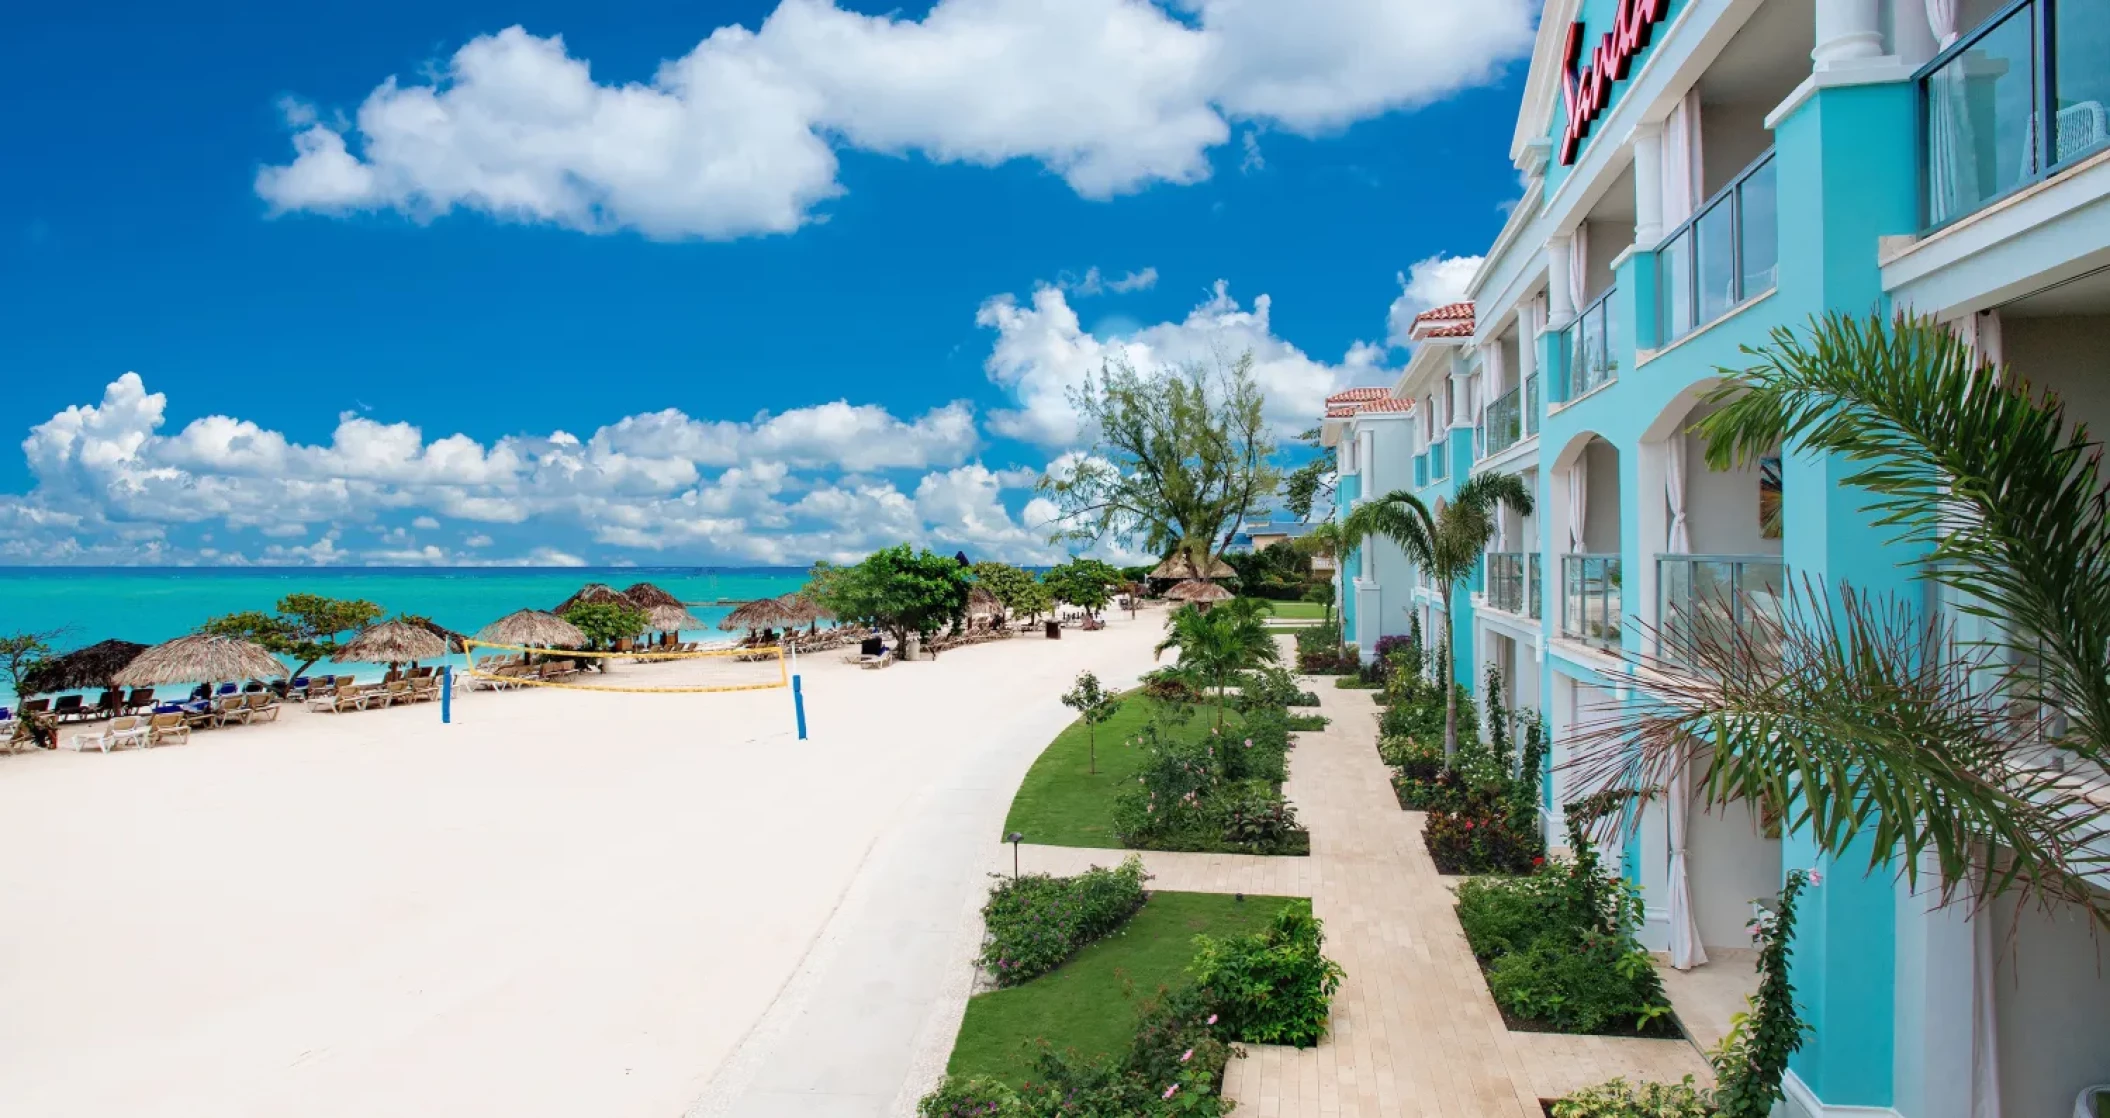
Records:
x=500, y=667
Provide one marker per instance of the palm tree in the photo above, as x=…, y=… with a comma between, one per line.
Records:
x=1219, y=644
x=1968, y=756
x=1448, y=544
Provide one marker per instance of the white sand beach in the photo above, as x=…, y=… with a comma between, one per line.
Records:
x=562, y=904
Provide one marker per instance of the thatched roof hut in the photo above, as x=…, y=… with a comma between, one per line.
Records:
x=593, y=592
x=647, y=596
x=671, y=619
x=454, y=640
x=93, y=666
x=762, y=613
x=1199, y=591
x=532, y=627
x=393, y=642
x=802, y=610
x=981, y=603
x=199, y=659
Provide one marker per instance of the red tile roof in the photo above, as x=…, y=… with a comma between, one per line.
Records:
x=1355, y=401
x=1452, y=320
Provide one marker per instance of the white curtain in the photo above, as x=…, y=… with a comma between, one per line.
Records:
x=1952, y=175
x=1578, y=502
x=1985, y=1047
x=1677, y=163
x=1674, y=492
x=1579, y=265
x=1685, y=950
x=1941, y=19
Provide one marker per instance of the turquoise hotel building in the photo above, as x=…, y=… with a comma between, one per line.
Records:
x=1699, y=173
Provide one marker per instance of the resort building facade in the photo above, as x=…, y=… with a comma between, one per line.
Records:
x=1699, y=174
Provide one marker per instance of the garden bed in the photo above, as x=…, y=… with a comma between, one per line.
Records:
x=1089, y=1003
x=1062, y=803
x=1660, y=1028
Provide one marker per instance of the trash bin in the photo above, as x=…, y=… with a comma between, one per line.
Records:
x=1054, y=630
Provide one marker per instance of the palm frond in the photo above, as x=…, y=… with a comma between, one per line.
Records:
x=1994, y=485
x=1860, y=719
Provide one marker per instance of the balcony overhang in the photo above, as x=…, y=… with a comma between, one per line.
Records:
x=2051, y=232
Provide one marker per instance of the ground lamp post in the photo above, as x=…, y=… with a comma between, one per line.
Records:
x=1014, y=838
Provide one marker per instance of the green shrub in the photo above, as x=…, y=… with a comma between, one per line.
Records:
x=1220, y=794
x=1308, y=721
x=1273, y=987
x=969, y=1098
x=1356, y=683
x=1420, y=758
x=1273, y=686
x=1602, y=984
x=1254, y=816
x=1170, y=686
x=1618, y=1099
x=1505, y=914
x=1036, y=922
x=1479, y=830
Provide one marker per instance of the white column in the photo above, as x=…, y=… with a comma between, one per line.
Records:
x=1461, y=396
x=1848, y=32
x=1648, y=185
x=1560, y=301
x=1911, y=36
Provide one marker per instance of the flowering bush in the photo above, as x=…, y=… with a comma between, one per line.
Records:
x=1217, y=794
x=1036, y=922
x=1273, y=986
x=1256, y=818
x=1480, y=830
x=1618, y=1099
x=1273, y=686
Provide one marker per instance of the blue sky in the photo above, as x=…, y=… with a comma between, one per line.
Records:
x=874, y=230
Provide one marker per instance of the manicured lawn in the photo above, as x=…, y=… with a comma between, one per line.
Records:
x=1061, y=803
x=1297, y=611
x=1285, y=630
x=1089, y=1003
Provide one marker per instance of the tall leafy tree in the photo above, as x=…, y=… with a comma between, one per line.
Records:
x=308, y=628
x=1967, y=742
x=1179, y=458
x=1446, y=544
x=1220, y=644
x=1015, y=588
x=21, y=654
x=1310, y=486
x=606, y=622
x=1085, y=583
x=900, y=589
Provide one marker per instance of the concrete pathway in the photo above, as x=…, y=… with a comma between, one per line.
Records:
x=1415, y=1031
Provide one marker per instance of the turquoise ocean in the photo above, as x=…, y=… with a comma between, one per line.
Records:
x=150, y=605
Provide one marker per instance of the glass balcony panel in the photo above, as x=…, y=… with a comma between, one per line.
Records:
x=1758, y=232
x=1505, y=581
x=2081, y=30
x=1596, y=339
x=1674, y=279
x=1504, y=424
x=1590, y=608
x=1711, y=601
x=1714, y=260
x=1978, y=108
x=1531, y=404
x=1534, y=601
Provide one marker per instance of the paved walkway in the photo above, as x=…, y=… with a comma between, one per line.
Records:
x=1415, y=1031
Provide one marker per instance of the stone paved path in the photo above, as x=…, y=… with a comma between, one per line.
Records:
x=1415, y=1031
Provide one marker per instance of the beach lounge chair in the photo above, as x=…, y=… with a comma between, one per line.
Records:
x=67, y=709
x=883, y=660
x=109, y=704
x=227, y=689
x=8, y=725
x=424, y=688
x=401, y=692
x=139, y=701
x=129, y=730
x=165, y=728
x=338, y=699
x=36, y=706
x=262, y=707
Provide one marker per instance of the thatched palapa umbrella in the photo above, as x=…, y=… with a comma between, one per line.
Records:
x=454, y=640
x=532, y=627
x=648, y=596
x=199, y=659
x=393, y=642
x=593, y=592
x=762, y=613
x=1201, y=592
x=671, y=619
x=981, y=603
x=94, y=666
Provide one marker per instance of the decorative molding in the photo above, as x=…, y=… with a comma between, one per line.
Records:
x=1801, y=1102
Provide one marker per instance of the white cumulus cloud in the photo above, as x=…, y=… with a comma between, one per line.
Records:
x=1430, y=283
x=738, y=136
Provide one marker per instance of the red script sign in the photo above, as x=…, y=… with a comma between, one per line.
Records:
x=1585, y=92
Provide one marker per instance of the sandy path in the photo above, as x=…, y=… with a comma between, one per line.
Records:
x=564, y=904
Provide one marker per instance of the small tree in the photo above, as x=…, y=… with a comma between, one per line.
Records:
x=899, y=589
x=606, y=622
x=1014, y=587
x=1094, y=705
x=1034, y=600
x=21, y=654
x=309, y=628
x=1085, y=583
x=1221, y=644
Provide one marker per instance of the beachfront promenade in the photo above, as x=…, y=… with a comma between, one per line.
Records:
x=563, y=904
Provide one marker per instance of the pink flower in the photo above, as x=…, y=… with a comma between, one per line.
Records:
x=1187, y=1055
x=1172, y=1090
x=1816, y=878
x=1211, y=1020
